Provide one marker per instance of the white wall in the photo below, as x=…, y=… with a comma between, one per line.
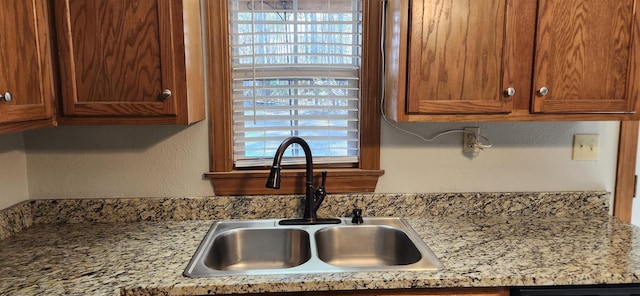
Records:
x=117, y=161
x=527, y=156
x=13, y=170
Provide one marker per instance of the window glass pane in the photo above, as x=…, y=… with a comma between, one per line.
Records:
x=295, y=73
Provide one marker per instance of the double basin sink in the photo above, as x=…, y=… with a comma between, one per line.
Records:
x=263, y=247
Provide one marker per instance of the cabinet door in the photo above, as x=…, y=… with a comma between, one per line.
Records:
x=456, y=57
x=116, y=57
x=25, y=62
x=583, y=56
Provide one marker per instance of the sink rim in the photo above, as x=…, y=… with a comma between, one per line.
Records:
x=196, y=268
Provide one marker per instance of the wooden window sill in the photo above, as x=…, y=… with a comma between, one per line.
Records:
x=252, y=182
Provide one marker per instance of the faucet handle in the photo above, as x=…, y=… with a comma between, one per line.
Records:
x=324, y=179
x=357, y=216
x=320, y=193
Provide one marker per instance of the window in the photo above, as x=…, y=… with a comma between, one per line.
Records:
x=295, y=73
x=308, y=68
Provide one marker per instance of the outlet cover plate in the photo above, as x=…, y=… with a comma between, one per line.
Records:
x=585, y=147
x=470, y=137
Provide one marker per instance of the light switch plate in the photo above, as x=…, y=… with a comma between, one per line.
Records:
x=585, y=147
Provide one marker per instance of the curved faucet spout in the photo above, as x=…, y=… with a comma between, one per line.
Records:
x=274, y=177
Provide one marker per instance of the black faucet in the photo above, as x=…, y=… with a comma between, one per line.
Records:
x=313, y=197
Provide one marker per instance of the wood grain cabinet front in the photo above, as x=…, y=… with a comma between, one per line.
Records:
x=26, y=77
x=130, y=62
x=504, y=60
x=456, y=57
x=584, y=57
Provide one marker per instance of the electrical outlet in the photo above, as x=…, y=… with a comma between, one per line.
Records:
x=471, y=140
x=585, y=147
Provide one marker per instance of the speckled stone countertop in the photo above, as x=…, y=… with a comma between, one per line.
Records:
x=583, y=245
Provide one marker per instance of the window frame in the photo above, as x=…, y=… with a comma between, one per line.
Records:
x=229, y=181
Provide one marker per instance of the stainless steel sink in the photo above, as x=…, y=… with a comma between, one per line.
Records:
x=248, y=249
x=260, y=247
x=370, y=245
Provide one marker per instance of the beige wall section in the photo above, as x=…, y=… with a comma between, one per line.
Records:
x=118, y=161
x=528, y=156
x=13, y=170
x=163, y=161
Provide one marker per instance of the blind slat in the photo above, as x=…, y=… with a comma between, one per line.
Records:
x=286, y=68
x=297, y=23
x=303, y=43
x=285, y=128
x=292, y=101
x=265, y=162
x=294, y=55
x=242, y=110
x=301, y=74
x=249, y=118
x=277, y=140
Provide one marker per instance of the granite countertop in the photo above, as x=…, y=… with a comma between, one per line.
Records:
x=148, y=257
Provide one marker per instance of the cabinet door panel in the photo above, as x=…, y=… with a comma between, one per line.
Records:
x=456, y=52
x=583, y=54
x=24, y=62
x=116, y=57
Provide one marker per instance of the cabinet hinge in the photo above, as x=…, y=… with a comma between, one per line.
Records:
x=635, y=185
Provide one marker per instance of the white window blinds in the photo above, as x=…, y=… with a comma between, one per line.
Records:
x=295, y=71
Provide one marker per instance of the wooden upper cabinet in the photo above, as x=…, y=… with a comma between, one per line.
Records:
x=583, y=56
x=456, y=52
x=512, y=60
x=128, y=62
x=26, y=80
